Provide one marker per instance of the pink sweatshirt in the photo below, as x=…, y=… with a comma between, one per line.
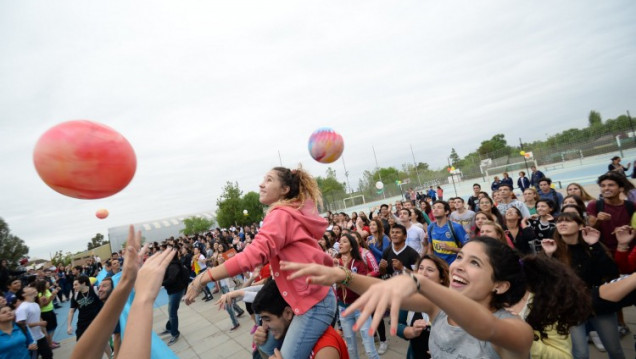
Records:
x=287, y=234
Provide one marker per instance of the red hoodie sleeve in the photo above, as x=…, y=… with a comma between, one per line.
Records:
x=626, y=261
x=372, y=264
x=267, y=243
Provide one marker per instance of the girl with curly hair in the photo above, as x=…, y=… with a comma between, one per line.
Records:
x=578, y=246
x=470, y=319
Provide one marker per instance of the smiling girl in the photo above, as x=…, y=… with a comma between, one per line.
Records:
x=468, y=319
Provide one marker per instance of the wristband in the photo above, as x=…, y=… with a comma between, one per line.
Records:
x=210, y=275
x=348, y=276
x=417, y=281
x=622, y=248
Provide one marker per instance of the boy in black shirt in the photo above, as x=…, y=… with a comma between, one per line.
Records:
x=399, y=257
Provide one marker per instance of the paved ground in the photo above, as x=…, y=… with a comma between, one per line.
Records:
x=205, y=334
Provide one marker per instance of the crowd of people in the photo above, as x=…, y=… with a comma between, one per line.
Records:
x=485, y=275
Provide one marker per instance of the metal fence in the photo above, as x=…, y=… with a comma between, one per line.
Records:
x=551, y=152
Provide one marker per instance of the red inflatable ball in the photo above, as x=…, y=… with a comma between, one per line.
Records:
x=101, y=213
x=84, y=159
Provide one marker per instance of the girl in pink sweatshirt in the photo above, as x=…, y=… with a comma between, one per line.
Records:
x=290, y=232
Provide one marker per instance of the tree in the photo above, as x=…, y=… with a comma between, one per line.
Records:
x=454, y=157
x=61, y=258
x=97, y=241
x=594, y=119
x=329, y=185
x=194, y=225
x=252, y=204
x=496, y=143
x=230, y=210
x=12, y=248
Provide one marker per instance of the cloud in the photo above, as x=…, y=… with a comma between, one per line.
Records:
x=212, y=91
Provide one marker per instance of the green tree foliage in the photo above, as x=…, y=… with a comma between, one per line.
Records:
x=496, y=143
x=61, y=258
x=594, y=119
x=97, y=241
x=329, y=185
x=194, y=225
x=232, y=203
x=254, y=207
x=12, y=248
x=229, y=205
x=454, y=157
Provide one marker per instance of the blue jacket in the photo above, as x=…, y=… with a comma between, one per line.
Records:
x=555, y=197
x=523, y=183
x=535, y=177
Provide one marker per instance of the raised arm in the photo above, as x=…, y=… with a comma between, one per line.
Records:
x=137, y=339
x=91, y=344
x=510, y=334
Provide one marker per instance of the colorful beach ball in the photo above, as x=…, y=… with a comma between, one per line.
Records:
x=84, y=159
x=325, y=145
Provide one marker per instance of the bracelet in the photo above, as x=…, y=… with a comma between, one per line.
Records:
x=348, y=276
x=210, y=275
x=417, y=281
x=621, y=248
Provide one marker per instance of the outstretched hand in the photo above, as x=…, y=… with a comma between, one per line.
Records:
x=624, y=234
x=378, y=298
x=591, y=235
x=316, y=273
x=226, y=299
x=133, y=256
x=151, y=275
x=549, y=246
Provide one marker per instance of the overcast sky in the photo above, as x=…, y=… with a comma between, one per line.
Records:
x=210, y=91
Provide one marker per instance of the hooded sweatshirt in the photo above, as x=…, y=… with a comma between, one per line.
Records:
x=287, y=234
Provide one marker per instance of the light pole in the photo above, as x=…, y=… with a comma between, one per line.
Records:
x=346, y=173
x=377, y=168
x=450, y=170
x=415, y=164
x=524, y=156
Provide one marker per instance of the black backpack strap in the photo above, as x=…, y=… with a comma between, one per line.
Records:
x=452, y=230
x=600, y=205
x=629, y=205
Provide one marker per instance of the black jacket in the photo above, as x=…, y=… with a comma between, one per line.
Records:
x=176, y=278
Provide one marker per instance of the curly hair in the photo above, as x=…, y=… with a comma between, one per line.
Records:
x=441, y=265
x=561, y=299
x=302, y=186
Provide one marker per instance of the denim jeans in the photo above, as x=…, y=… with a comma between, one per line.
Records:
x=271, y=344
x=606, y=326
x=305, y=329
x=350, y=336
x=173, y=306
x=231, y=308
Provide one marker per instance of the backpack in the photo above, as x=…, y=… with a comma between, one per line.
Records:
x=629, y=205
x=184, y=274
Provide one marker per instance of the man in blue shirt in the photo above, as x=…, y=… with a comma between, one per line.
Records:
x=431, y=193
x=547, y=192
x=445, y=241
x=535, y=177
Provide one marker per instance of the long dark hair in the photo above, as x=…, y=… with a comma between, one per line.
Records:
x=379, y=237
x=495, y=212
x=560, y=300
x=355, y=248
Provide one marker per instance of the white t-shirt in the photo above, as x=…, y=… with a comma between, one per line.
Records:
x=414, y=238
x=30, y=313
